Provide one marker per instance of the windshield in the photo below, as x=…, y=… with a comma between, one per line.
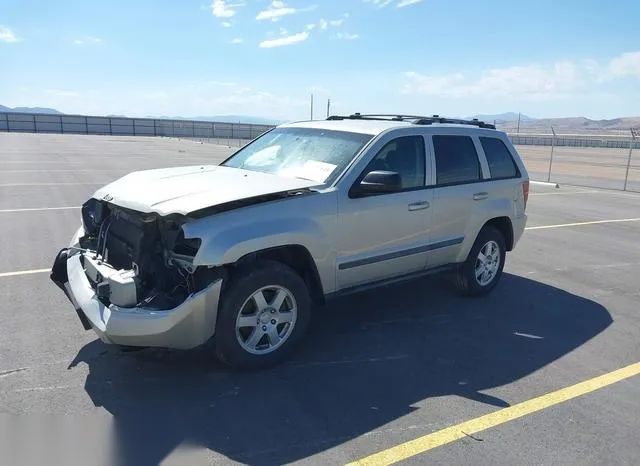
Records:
x=310, y=153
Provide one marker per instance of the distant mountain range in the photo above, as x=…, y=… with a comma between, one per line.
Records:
x=252, y=120
x=30, y=110
x=505, y=121
x=569, y=125
x=503, y=117
x=216, y=118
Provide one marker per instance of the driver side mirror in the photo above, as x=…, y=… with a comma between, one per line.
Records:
x=378, y=182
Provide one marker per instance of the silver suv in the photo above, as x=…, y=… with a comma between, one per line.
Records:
x=235, y=255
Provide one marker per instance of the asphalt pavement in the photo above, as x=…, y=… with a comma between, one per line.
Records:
x=377, y=370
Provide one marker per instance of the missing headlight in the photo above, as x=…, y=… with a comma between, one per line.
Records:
x=92, y=215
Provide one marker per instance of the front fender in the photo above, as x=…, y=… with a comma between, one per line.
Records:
x=230, y=244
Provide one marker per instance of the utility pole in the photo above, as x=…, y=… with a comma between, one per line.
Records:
x=553, y=144
x=518, y=130
x=328, y=106
x=312, y=106
x=635, y=133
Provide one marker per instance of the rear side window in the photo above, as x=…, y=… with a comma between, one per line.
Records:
x=456, y=160
x=501, y=164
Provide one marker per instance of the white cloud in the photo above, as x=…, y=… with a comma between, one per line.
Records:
x=310, y=27
x=323, y=24
x=275, y=10
x=404, y=3
x=87, y=40
x=236, y=98
x=627, y=64
x=379, y=3
x=285, y=40
x=222, y=9
x=399, y=3
x=533, y=82
x=237, y=40
x=7, y=35
x=346, y=36
x=226, y=24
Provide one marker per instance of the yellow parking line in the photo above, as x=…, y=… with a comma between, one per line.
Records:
x=594, y=222
x=453, y=433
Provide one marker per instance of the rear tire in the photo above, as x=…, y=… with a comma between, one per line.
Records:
x=265, y=311
x=481, y=271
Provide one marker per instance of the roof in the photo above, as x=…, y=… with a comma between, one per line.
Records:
x=376, y=124
x=373, y=127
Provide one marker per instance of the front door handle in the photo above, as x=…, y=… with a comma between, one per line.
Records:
x=419, y=205
x=480, y=196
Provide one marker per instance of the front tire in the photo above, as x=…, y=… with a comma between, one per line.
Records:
x=265, y=311
x=482, y=270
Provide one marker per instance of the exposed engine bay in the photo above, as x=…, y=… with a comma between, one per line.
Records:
x=139, y=259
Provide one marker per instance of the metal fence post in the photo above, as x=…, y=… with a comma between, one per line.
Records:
x=61, y=125
x=86, y=125
x=35, y=128
x=553, y=143
x=631, y=144
x=6, y=118
x=110, y=128
x=155, y=132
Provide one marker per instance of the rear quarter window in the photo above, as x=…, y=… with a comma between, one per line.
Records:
x=501, y=164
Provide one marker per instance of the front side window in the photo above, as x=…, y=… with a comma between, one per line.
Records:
x=309, y=153
x=404, y=155
x=456, y=160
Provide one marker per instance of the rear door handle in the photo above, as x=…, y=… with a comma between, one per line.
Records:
x=419, y=205
x=480, y=196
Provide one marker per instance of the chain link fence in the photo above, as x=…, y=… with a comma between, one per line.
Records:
x=610, y=161
x=600, y=161
x=120, y=126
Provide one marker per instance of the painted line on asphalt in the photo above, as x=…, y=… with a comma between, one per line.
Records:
x=564, y=193
x=496, y=418
x=544, y=183
x=24, y=272
x=36, y=209
x=577, y=224
x=610, y=193
x=7, y=185
x=65, y=170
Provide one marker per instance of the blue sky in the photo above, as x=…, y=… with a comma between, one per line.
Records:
x=264, y=57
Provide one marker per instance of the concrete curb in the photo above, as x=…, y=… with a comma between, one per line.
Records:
x=545, y=183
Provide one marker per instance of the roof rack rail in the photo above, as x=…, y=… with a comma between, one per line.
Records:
x=415, y=119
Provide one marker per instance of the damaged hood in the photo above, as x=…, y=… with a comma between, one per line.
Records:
x=186, y=189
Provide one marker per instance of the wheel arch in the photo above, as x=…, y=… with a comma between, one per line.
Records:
x=295, y=256
x=505, y=227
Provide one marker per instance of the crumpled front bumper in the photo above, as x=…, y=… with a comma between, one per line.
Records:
x=188, y=325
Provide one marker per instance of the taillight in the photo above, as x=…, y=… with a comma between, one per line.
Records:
x=525, y=192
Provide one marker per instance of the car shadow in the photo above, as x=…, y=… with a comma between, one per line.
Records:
x=367, y=359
